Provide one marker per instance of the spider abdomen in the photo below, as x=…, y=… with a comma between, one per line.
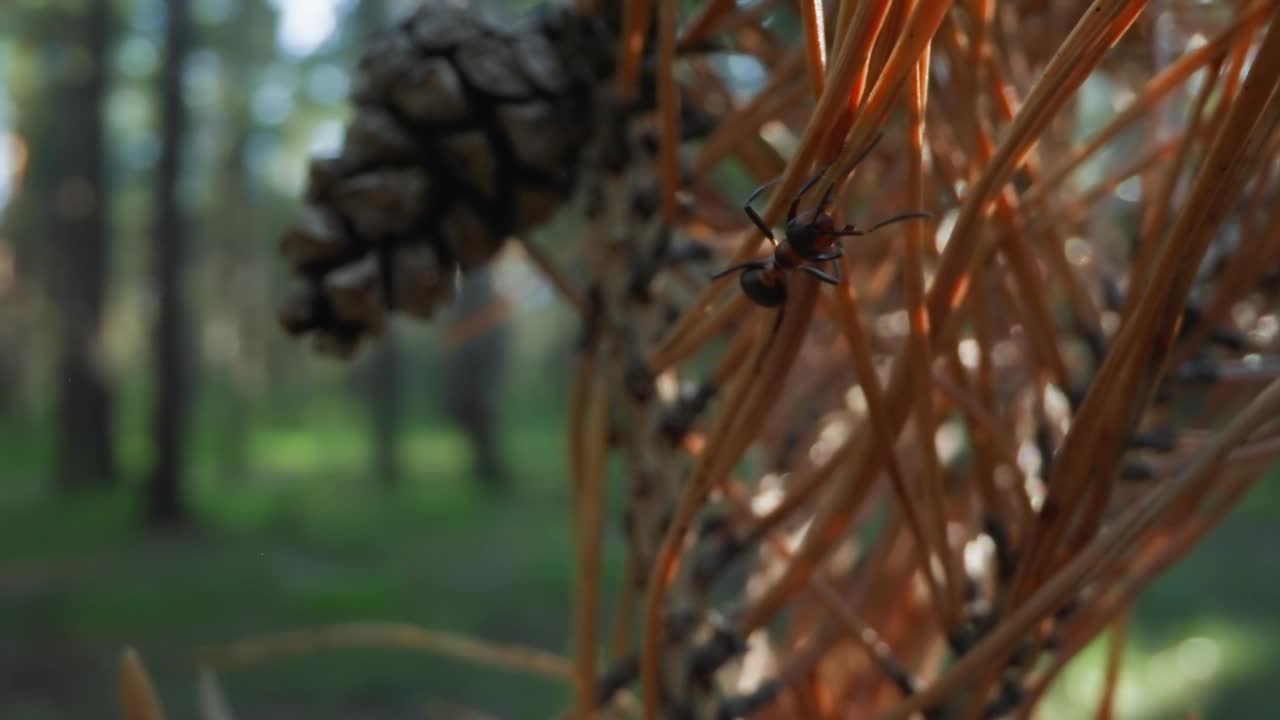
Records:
x=764, y=287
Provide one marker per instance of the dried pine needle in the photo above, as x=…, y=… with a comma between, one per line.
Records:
x=589, y=515
x=138, y=699
x=280, y=646
x=1093, y=559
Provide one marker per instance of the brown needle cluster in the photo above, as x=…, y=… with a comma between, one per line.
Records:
x=926, y=489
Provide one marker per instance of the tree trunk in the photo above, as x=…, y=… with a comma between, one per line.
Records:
x=473, y=383
x=384, y=397
x=235, y=277
x=384, y=386
x=80, y=202
x=234, y=292
x=165, y=505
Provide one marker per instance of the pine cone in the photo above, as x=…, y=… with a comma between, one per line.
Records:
x=465, y=130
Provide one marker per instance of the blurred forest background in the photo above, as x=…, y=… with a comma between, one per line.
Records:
x=175, y=471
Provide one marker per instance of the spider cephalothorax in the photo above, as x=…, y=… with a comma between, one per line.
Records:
x=811, y=237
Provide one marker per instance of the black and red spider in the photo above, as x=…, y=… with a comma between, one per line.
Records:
x=811, y=237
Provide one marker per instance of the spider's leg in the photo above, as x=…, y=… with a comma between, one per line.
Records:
x=795, y=204
x=741, y=266
x=818, y=274
x=826, y=197
x=847, y=232
x=835, y=267
x=866, y=151
x=756, y=193
x=899, y=218
x=827, y=256
x=751, y=212
x=759, y=221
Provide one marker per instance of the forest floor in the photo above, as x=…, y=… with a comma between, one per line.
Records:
x=307, y=542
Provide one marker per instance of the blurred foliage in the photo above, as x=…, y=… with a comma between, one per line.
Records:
x=291, y=529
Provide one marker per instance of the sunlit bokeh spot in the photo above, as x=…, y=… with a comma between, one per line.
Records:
x=969, y=353
x=1130, y=190
x=136, y=57
x=202, y=81
x=1078, y=250
x=325, y=138
x=213, y=12
x=978, y=553
x=327, y=84
x=272, y=102
x=1198, y=657
x=305, y=24
x=1029, y=458
x=949, y=441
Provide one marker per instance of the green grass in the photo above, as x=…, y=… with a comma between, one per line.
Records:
x=492, y=569
x=304, y=537
x=1204, y=637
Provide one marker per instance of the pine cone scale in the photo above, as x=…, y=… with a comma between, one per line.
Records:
x=466, y=130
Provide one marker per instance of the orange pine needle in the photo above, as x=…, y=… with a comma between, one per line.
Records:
x=296, y=643
x=815, y=44
x=138, y=699
x=589, y=513
x=668, y=110
x=1092, y=560
x=635, y=19
x=734, y=429
x=705, y=23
